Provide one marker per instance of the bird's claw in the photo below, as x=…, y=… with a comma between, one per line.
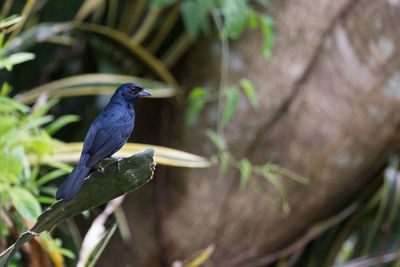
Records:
x=118, y=166
x=101, y=168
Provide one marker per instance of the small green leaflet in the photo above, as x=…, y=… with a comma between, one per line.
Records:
x=194, y=108
x=25, y=203
x=223, y=164
x=196, y=93
x=268, y=35
x=14, y=59
x=235, y=18
x=232, y=101
x=216, y=139
x=250, y=91
x=245, y=172
x=61, y=122
x=195, y=17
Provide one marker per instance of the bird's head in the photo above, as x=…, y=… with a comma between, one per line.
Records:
x=130, y=92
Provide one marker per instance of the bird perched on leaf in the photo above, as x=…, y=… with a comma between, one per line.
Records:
x=107, y=134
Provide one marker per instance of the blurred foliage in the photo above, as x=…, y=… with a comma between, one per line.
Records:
x=139, y=39
x=8, y=61
x=117, y=179
x=365, y=233
x=23, y=186
x=231, y=18
x=269, y=171
x=236, y=16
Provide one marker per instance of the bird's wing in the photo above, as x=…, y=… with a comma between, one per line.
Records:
x=106, y=141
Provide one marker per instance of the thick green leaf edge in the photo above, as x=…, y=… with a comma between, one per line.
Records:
x=98, y=188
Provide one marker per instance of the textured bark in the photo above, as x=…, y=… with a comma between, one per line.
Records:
x=329, y=110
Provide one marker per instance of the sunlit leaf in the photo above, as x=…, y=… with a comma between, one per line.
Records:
x=11, y=162
x=232, y=101
x=94, y=84
x=61, y=122
x=14, y=59
x=25, y=203
x=165, y=156
x=98, y=249
x=5, y=89
x=250, y=91
x=200, y=259
x=43, y=109
x=11, y=105
x=87, y=7
x=196, y=93
x=50, y=176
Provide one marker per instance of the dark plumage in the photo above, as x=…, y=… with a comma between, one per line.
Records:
x=107, y=134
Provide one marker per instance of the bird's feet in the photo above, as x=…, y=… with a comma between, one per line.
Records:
x=118, y=162
x=101, y=168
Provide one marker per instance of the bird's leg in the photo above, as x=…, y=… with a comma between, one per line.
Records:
x=117, y=160
x=101, y=167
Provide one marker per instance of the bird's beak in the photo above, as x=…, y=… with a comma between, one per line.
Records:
x=144, y=93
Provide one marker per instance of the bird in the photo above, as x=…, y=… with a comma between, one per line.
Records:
x=107, y=134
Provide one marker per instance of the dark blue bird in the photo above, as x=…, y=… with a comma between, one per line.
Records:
x=107, y=134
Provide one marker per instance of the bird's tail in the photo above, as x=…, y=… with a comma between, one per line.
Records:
x=71, y=185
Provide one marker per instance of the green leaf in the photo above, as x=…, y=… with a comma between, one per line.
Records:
x=223, y=164
x=218, y=141
x=14, y=105
x=14, y=59
x=268, y=35
x=250, y=91
x=165, y=156
x=42, y=110
x=232, y=101
x=59, y=165
x=98, y=188
x=194, y=108
x=46, y=200
x=235, y=17
x=13, y=161
x=196, y=93
x=94, y=84
x=245, y=172
x=195, y=17
x=35, y=123
x=61, y=122
x=48, y=190
x=98, y=249
x=5, y=89
x=25, y=203
x=50, y=176
x=252, y=19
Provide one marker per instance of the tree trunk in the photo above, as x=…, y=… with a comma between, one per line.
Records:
x=329, y=110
